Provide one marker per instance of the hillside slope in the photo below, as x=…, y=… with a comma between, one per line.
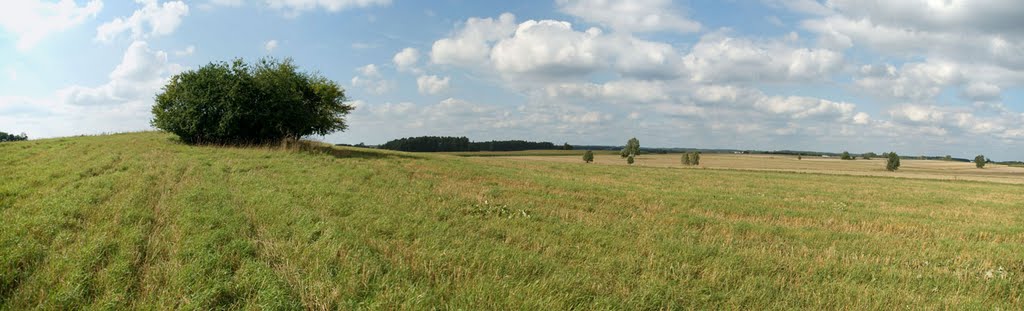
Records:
x=140, y=221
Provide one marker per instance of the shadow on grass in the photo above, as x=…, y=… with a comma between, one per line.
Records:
x=345, y=152
x=310, y=147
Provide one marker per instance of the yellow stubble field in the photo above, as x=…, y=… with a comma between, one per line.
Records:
x=923, y=169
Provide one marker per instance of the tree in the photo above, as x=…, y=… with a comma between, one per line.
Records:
x=685, y=159
x=893, y=161
x=869, y=155
x=240, y=103
x=588, y=156
x=846, y=156
x=696, y=158
x=633, y=146
x=979, y=161
x=631, y=150
x=948, y=158
x=4, y=137
x=566, y=146
x=799, y=156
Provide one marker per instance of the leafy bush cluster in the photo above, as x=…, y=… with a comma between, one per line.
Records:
x=4, y=137
x=632, y=148
x=892, y=162
x=240, y=103
x=691, y=158
x=588, y=156
x=630, y=151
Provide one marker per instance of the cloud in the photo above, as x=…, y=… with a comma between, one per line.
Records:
x=187, y=51
x=720, y=58
x=472, y=43
x=370, y=71
x=370, y=79
x=31, y=21
x=152, y=20
x=630, y=15
x=550, y=47
x=141, y=73
x=982, y=91
x=228, y=3
x=961, y=31
x=959, y=121
x=861, y=118
x=406, y=59
x=297, y=7
x=270, y=46
x=432, y=84
x=913, y=81
x=550, y=51
x=122, y=103
x=812, y=7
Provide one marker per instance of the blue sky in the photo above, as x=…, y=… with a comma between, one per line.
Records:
x=917, y=77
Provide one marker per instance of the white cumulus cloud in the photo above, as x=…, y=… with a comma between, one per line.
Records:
x=270, y=46
x=431, y=84
x=30, y=21
x=152, y=20
x=406, y=59
x=631, y=15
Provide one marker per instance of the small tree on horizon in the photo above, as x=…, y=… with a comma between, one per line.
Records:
x=892, y=162
x=588, y=156
x=631, y=150
x=948, y=158
x=685, y=159
x=566, y=146
x=979, y=161
x=696, y=158
x=846, y=156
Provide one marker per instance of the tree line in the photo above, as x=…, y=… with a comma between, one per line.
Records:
x=455, y=144
x=4, y=137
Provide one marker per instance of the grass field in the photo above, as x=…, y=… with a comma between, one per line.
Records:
x=926, y=169
x=141, y=221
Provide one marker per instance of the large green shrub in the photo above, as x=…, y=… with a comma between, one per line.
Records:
x=979, y=161
x=588, y=156
x=239, y=103
x=892, y=162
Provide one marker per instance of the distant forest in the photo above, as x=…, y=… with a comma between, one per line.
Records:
x=448, y=143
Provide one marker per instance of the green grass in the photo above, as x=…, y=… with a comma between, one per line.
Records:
x=139, y=221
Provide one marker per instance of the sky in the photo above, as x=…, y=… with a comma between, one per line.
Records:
x=931, y=77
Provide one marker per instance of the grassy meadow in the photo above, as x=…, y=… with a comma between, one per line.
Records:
x=141, y=221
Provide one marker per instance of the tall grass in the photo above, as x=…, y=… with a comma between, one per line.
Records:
x=140, y=221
